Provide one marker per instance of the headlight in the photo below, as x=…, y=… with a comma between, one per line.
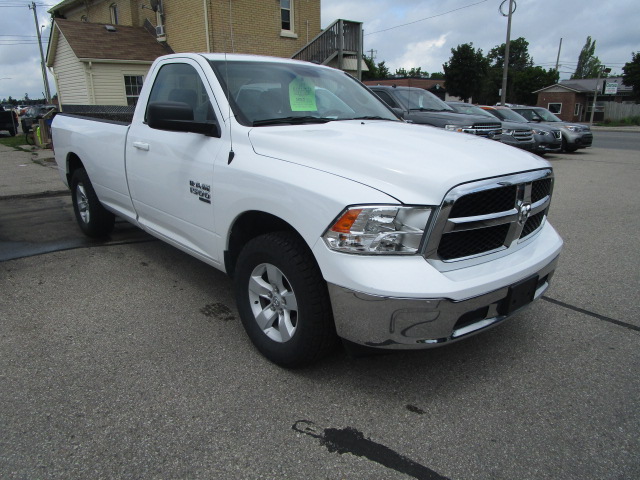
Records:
x=508, y=131
x=382, y=229
x=458, y=128
x=572, y=128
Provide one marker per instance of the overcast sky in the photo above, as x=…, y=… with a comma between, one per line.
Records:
x=426, y=32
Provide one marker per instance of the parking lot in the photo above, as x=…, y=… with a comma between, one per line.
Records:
x=127, y=359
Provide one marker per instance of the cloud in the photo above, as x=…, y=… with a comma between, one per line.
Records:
x=421, y=53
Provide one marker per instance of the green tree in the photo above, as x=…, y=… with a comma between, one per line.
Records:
x=588, y=64
x=464, y=71
x=372, y=74
x=383, y=70
x=437, y=76
x=519, y=61
x=519, y=57
x=375, y=72
x=529, y=80
x=631, y=75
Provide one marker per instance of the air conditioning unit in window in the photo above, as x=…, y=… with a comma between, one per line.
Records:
x=160, y=31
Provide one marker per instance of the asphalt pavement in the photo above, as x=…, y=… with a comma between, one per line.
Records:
x=126, y=359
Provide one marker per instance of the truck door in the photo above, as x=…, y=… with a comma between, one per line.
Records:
x=170, y=173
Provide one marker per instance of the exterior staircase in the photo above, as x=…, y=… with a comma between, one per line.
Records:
x=339, y=45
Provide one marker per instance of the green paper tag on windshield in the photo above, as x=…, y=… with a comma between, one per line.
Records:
x=302, y=96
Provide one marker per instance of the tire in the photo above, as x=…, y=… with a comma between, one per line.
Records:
x=567, y=148
x=94, y=220
x=283, y=300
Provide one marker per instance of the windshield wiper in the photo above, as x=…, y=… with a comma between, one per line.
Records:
x=368, y=117
x=291, y=121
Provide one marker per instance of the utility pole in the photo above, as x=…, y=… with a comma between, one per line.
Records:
x=372, y=54
x=558, y=59
x=503, y=93
x=47, y=93
x=595, y=91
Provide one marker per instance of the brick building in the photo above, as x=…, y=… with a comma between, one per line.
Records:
x=572, y=100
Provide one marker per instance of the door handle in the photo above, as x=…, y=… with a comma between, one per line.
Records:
x=141, y=146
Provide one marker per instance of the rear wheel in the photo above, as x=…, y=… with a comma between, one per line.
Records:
x=283, y=300
x=94, y=220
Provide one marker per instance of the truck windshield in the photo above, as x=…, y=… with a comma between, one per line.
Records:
x=418, y=99
x=469, y=109
x=274, y=93
x=506, y=114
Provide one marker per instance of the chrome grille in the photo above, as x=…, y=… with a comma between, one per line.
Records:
x=523, y=135
x=489, y=217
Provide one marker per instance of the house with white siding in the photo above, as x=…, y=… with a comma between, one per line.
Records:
x=98, y=64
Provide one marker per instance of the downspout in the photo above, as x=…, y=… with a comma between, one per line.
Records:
x=91, y=88
x=206, y=24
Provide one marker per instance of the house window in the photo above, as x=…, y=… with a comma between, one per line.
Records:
x=577, y=109
x=113, y=10
x=132, y=87
x=286, y=14
x=555, y=107
x=84, y=18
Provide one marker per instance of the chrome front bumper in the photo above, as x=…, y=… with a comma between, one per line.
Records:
x=409, y=323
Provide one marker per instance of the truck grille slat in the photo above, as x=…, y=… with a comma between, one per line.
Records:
x=470, y=222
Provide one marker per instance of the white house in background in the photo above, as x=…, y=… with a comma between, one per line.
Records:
x=98, y=64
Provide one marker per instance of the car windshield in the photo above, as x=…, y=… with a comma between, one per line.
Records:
x=272, y=93
x=418, y=99
x=538, y=114
x=469, y=109
x=507, y=114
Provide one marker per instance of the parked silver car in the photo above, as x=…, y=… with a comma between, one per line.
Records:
x=517, y=135
x=574, y=135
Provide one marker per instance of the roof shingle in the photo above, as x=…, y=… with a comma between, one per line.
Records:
x=92, y=40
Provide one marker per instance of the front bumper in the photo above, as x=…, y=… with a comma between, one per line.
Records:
x=547, y=144
x=409, y=323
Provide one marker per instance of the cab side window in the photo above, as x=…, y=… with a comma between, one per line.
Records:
x=180, y=82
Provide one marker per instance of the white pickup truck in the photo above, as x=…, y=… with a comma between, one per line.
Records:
x=334, y=218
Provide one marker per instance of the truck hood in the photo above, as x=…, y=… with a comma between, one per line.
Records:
x=412, y=163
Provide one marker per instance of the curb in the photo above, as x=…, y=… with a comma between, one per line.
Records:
x=28, y=196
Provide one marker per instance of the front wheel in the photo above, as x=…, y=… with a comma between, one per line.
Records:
x=567, y=148
x=94, y=220
x=283, y=300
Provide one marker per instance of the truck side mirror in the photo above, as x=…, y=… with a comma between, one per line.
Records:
x=398, y=111
x=178, y=117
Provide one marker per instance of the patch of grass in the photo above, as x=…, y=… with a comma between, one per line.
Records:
x=16, y=142
x=625, y=122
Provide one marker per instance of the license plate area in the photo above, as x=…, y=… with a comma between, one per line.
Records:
x=520, y=294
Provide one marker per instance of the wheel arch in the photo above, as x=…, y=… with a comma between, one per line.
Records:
x=247, y=226
x=73, y=163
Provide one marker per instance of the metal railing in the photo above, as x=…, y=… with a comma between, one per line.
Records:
x=342, y=37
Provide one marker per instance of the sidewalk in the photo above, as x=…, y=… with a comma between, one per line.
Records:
x=631, y=128
x=28, y=173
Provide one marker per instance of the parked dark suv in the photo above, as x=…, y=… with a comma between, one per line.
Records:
x=423, y=107
x=574, y=135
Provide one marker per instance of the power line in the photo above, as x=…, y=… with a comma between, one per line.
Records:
x=427, y=18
